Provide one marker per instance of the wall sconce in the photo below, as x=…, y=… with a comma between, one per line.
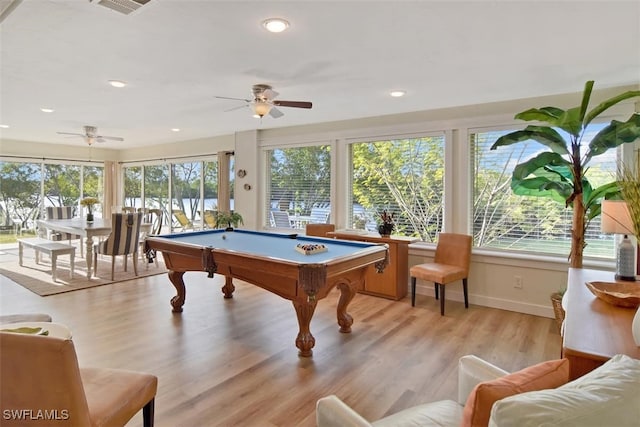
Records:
x=617, y=220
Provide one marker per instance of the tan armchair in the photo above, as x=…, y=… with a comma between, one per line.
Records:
x=451, y=263
x=319, y=230
x=41, y=373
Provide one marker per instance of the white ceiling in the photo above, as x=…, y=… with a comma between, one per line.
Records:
x=344, y=56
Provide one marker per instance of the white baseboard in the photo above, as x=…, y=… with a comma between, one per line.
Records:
x=484, y=301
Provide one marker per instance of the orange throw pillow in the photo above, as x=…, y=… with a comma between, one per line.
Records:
x=545, y=375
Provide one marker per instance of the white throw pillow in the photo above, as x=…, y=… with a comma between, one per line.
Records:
x=607, y=396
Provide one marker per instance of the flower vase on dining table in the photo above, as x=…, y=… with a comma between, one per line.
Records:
x=88, y=202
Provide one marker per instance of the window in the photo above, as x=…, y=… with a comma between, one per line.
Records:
x=503, y=220
x=92, y=185
x=298, y=186
x=20, y=194
x=132, y=186
x=62, y=185
x=193, y=185
x=402, y=176
x=27, y=188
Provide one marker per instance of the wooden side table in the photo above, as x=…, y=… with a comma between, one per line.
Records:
x=394, y=281
x=594, y=330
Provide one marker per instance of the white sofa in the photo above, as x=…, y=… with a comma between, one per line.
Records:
x=607, y=396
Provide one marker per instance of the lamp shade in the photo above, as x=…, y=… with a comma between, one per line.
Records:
x=615, y=217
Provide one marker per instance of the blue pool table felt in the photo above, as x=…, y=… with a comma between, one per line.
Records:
x=274, y=245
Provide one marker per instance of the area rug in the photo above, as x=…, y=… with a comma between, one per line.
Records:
x=37, y=277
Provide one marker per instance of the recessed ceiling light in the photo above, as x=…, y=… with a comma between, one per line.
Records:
x=397, y=93
x=275, y=25
x=47, y=110
x=175, y=130
x=117, y=83
x=4, y=126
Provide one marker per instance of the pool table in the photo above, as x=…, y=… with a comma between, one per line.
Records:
x=271, y=261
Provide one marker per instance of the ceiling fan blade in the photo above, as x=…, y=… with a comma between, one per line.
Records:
x=275, y=113
x=296, y=104
x=236, y=99
x=111, y=138
x=270, y=93
x=236, y=108
x=72, y=134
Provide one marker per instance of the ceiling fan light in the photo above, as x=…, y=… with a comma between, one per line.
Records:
x=275, y=25
x=261, y=108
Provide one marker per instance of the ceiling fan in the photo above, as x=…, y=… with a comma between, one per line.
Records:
x=264, y=102
x=90, y=135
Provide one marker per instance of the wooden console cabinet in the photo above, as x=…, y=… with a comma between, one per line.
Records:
x=394, y=281
x=594, y=330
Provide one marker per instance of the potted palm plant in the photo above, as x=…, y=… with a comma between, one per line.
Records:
x=229, y=219
x=559, y=172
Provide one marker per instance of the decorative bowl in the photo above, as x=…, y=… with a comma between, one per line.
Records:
x=622, y=294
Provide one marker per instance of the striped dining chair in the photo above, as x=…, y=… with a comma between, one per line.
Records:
x=123, y=240
x=63, y=212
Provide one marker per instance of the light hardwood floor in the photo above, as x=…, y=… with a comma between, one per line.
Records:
x=234, y=362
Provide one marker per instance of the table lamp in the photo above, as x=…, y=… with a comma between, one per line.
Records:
x=616, y=220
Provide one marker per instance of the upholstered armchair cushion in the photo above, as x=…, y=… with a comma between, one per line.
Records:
x=545, y=375
x=607, y=396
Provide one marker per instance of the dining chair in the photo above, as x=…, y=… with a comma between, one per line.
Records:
x=63, y=212
x=153, y=219
x=128, y=209
x=42, y=372
x=280, y=219
x=123, y=240
x=451, y=263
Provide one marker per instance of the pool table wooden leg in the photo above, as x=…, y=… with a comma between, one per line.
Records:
x=305, y=341
x=347, y=292
x=178, y=301
x=228, y=287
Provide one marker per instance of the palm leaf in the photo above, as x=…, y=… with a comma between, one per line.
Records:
x=546, y=136
x=616, y=133
x=603, y=106
x=549, y=115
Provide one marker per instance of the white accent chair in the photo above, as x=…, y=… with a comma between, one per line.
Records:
x=333, y=412
x=607, y=396
x=123, y=240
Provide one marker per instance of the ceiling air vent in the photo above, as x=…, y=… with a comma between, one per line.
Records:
x=6, y=7
x=122, y=6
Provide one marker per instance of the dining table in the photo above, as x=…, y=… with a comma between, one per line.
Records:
x=87, y=230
